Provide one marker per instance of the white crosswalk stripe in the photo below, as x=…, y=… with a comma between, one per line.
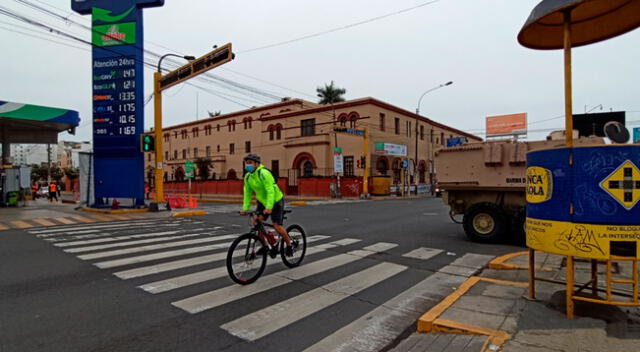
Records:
x=117, y=239
x=423, y=253
x=202, y=276
x=184, y=263
x=275, y=317
x=225, y=295
x=154, y=247
x=87, y=227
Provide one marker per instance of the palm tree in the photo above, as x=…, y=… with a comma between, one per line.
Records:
x=330, y=94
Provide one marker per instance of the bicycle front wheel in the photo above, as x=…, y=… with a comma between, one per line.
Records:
x=299, y=244
x=244, y=264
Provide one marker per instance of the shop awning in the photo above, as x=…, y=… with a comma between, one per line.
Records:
x=27, y=123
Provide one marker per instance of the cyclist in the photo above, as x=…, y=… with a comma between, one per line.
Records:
x=270, y=199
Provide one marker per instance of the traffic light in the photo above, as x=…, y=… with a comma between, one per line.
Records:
x=148, y=143
x=363, y=162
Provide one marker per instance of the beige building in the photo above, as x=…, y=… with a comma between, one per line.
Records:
x=297, y=138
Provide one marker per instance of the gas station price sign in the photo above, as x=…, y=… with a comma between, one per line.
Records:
x=118, y=95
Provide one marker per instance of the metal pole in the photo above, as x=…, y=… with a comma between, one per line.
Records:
x=570, y=272
x=48, y=163
x=532, y=274
x=567, y=80
x=365, y=174
x=157, y=112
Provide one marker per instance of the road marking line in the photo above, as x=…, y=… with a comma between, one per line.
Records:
x=380, y=247
x=44, y=222
x=162, y=255
x=423, y=253
x=212, y=274
x=152, y=247
x=127, y=243
x=104, y=238
x=185, y=263
x=21, y=224
x=101, y=217
x=212, y=299
x=65, y=221
x=98, y=228
x=275, y=317
x=346, y=241
x=88, y=227
x=83, y=219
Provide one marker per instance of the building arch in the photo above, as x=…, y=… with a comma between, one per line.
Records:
x=305, y=163
x=353, y=118
x=342, y=119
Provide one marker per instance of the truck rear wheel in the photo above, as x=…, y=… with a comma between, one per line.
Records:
x=484, y=222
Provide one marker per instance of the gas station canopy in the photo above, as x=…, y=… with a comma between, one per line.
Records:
x=26, y=123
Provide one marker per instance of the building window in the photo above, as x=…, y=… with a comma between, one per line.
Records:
x=348, y=165
x=207, y=130
x=218, y=148
x=195, y=132
x=343, y=120
x=166, y=137
x=247, y=147
x=307, y=169
x=208, y=151
x=382, y=122
x=175, y=134
x=422, y=133
x=232, y=148
x=397, y=125
x=218, y=127
x=195, y=152
x=431, y=135
x=175, y=155
x=275, y=168
x=409, y=128
x=166, y=155
x=442, y=138
x=352, y=121
x=184, y=134
x=184, y=154
x=271, y=128
x=308, y=127
x=247, y=123
x=278, y=131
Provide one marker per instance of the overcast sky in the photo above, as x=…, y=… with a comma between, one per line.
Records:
x=395, y=59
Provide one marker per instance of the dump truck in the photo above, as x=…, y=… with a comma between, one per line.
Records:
x=485, y=183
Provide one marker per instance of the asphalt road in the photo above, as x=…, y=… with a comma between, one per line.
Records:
x=160, y=284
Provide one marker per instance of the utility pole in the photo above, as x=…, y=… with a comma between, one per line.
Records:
x=48, y=163
x=365, y=174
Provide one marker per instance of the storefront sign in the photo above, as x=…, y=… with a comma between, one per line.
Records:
x=338, y=162
x=390, y=149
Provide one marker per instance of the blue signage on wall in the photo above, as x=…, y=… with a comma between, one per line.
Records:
x=636, y=135
x=117, y=84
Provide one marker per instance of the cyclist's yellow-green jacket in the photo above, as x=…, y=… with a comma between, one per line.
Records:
x=262, y=182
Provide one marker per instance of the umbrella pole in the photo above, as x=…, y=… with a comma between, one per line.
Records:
x=568, y=103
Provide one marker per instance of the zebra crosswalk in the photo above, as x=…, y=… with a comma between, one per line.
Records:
x=65, y=220
x=183, y=260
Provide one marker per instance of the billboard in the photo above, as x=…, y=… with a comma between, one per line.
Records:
x=390, y=149
x=506, y=125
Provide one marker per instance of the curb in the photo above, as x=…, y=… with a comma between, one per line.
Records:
x=299, y=203
x=118, y=211
x=499, y=263
x=430, y=321
x=188, y=213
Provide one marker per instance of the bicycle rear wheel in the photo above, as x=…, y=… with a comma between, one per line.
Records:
x=299, y=244
x=244, y=264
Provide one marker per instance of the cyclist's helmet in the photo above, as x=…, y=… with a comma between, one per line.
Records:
x=253, y=157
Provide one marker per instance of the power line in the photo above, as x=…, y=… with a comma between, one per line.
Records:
x=339, y=28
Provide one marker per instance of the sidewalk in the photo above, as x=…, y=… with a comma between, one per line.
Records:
x=491, y=312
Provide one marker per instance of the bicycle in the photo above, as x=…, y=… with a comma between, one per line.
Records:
x=245, y=259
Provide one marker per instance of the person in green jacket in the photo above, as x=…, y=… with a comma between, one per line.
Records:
x=270, y=199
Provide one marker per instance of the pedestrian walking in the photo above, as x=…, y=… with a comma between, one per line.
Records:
x=53, y=192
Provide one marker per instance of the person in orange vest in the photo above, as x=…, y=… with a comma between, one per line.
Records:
x=53, y=192
x=146, y=191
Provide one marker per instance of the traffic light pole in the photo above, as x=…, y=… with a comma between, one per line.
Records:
x=365, y=174
x=157, y=112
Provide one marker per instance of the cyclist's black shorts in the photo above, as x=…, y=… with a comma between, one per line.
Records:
x=277, y=213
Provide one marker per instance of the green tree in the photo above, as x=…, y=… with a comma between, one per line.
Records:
x=38, y=173
x=330, y=94
x=204, y=165
x=214, y=113
x=71, y=172
x=57, y=174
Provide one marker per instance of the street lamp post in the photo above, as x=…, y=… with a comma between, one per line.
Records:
x=415, y=168
x=157, y=112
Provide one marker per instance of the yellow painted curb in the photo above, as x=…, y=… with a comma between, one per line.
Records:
x=430, y=321
x=299, y=203
x=188, y=213
x=117, y=211
x=499, y=263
